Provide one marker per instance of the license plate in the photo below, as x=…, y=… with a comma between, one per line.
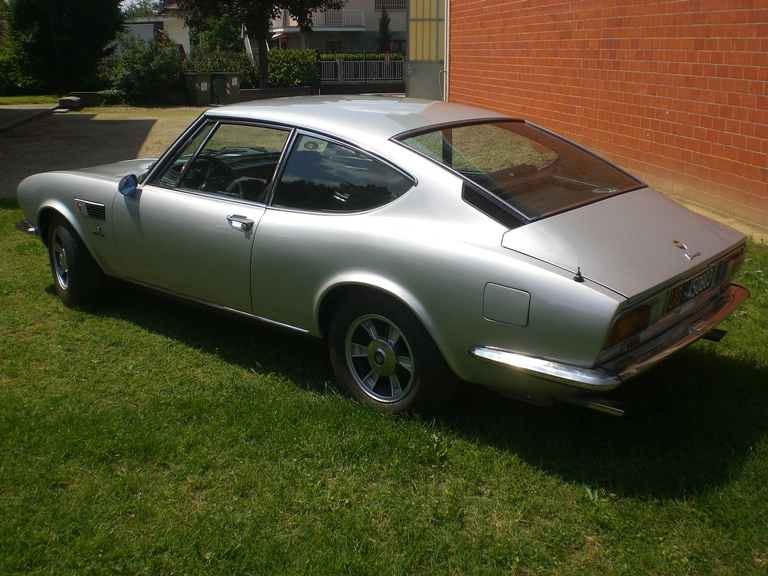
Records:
x=691, y=288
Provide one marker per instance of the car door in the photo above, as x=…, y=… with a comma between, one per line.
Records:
x=190, y=229
x=317, y=224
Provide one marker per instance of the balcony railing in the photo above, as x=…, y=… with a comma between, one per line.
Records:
x=327, y=19
x=362, y=72
x=390, y=5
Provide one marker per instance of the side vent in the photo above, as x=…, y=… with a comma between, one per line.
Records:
x=96, y=211
x=491, y=207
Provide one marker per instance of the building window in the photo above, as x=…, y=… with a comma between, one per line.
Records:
x=332, y=46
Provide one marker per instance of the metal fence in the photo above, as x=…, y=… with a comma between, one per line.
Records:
x=362, y=72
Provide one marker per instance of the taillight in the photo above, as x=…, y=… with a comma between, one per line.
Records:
x=630, y=324
x=730, y=265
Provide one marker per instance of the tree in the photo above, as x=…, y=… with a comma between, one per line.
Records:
x=59, y=43
x=257, y=17
x=224, y=32
x=139, y=8
x=384, y=39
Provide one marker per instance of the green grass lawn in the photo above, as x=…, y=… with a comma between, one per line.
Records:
x=141, y=436
x=6, y=100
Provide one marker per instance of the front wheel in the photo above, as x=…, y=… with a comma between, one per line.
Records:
x=384, y=358
x=76, y=275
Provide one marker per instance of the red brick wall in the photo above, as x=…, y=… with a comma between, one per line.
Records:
x=673, y=91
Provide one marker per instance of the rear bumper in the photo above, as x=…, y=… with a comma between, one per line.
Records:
x=628, y=366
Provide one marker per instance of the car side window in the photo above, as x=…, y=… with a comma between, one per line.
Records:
x=171, y=177
x=323, y=176
x=236, y=160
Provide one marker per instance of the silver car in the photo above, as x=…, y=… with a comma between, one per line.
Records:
x=426, y=242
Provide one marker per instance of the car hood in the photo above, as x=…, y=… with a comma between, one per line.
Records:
x=628, y=243
x=120, y=169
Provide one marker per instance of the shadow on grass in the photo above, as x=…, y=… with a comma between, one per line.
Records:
x=237, y=340
x=692, y=422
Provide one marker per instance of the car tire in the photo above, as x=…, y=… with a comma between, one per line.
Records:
x=77, y=277
x=384, y=357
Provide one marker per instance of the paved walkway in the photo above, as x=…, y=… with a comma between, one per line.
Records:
x=17, y=114
x=87, y=138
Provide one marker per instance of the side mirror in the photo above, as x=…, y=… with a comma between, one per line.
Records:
x=128, y=185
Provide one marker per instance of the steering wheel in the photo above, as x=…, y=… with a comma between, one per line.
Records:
x=218, y=176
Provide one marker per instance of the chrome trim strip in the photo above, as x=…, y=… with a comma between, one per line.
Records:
x=612, y=375
x=266, y=320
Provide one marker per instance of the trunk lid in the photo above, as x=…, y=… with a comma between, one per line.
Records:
x=628, y=243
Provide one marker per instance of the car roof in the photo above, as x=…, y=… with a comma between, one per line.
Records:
x=354, y=116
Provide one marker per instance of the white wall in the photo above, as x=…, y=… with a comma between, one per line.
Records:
x=173, y=28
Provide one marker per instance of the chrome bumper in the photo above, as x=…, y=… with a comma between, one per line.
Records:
x=626, y=367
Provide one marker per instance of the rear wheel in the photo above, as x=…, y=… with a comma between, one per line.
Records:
x=384, y=358
x=77, y=277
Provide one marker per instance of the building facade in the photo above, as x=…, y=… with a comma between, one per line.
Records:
x=427, y=49
x=167, y=20
x=673, y=91
x=354, y=28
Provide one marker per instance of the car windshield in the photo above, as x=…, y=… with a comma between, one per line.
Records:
x=532, y=171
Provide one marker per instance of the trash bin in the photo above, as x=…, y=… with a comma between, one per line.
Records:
x=226, y=88
x=198, y=88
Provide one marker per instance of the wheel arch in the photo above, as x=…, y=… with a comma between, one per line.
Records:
x=426, y=389
x=78, y=277
x=343, y=289
x=47, y=213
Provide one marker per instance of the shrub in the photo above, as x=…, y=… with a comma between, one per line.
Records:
x=145, y=71
x=289, y=68
x=226, y=62
x=332, y=57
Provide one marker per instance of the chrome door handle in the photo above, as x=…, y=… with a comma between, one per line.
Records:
x=240, y=222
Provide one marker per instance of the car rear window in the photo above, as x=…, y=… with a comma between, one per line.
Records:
x=529, y=169
x=324, y=176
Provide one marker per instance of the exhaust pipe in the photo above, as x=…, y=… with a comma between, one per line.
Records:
x=715, y=335
x=614, y=408
x=25, y=226
x=603, y=405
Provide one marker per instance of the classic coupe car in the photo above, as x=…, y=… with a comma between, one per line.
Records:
x=426, y=242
